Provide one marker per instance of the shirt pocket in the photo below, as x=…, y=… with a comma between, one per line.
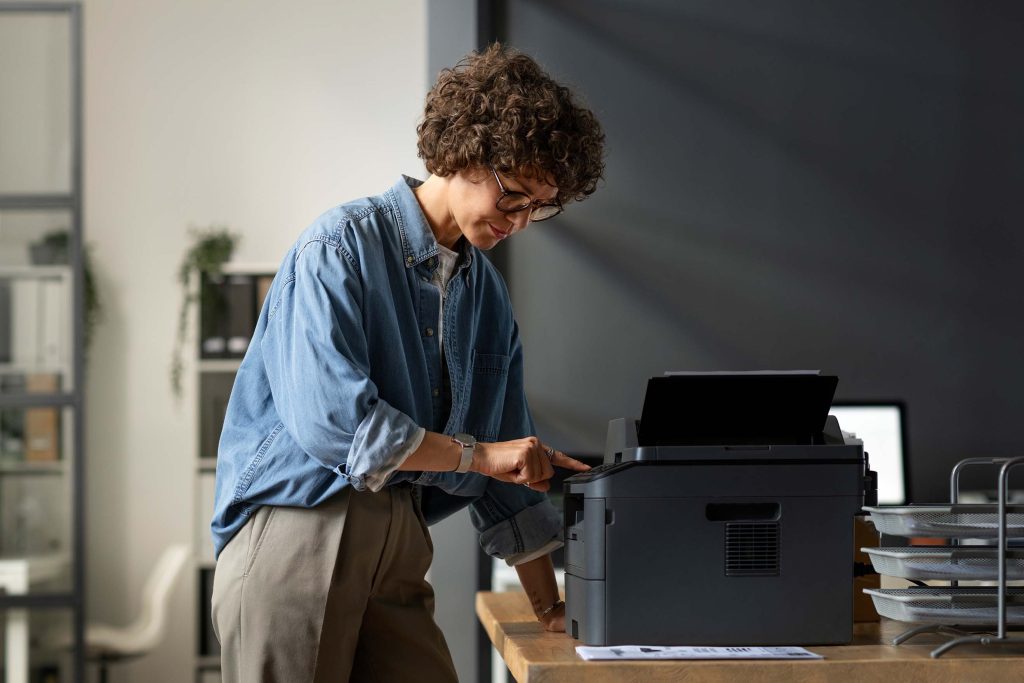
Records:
x=485, y=398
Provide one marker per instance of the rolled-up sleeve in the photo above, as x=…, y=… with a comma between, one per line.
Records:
x=317, y=362
x=515, y=523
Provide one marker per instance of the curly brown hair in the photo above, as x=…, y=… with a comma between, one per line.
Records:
x=498, y=108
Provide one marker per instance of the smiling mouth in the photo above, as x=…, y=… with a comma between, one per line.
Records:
x=498, y=233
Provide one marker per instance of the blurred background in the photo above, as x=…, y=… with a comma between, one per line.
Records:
x=810, y=184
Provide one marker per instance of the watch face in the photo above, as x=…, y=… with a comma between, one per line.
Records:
x=465, y=439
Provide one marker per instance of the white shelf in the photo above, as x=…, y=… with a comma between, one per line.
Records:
x=33, y=369
x=25, y=272
x=206, y=668
x=249, y=268
x=55, y=467
x=219, y=365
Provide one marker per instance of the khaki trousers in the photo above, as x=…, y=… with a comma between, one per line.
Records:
x=333, y=593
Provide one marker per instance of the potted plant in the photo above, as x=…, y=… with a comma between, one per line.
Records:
x=211, y=249
x=53, y=248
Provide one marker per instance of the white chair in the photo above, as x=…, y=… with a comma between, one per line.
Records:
x=107, y=644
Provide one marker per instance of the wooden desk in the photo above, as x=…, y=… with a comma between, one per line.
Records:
x=536, y=656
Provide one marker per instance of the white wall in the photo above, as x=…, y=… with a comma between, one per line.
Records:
x=258, y=115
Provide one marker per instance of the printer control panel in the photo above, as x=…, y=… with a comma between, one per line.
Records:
x=599, y=471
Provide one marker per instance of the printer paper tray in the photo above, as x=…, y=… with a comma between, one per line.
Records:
x=947, y=521
x=976, y=606
x=949, y=563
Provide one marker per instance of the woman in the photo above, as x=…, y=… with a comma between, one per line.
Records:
x=383, y=391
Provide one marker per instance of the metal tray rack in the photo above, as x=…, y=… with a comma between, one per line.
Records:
x=941, y=609
x=947, y=563
x=947, y=521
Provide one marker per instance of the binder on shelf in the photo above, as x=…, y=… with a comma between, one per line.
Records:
x=55, y=324
x=209, y=646
x=38, y=329
x=5, y=321
x=228, y=314
x=241, y=313
x=213, y=342
x=263, y=283
x=214, y=391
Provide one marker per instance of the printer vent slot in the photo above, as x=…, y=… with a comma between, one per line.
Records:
x=752, y=549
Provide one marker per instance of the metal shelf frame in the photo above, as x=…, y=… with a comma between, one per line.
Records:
x=74, y=399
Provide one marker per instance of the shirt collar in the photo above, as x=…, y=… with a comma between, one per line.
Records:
x=418, y=242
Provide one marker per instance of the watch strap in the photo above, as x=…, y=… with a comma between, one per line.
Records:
x=468, y=444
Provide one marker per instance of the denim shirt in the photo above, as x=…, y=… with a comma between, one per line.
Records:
x=344, y=369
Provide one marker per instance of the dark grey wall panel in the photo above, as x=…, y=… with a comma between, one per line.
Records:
x=798, y=184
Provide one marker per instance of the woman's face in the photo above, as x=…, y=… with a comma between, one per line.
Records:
x=472, y=195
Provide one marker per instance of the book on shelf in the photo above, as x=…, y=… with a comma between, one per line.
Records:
x=42, y=425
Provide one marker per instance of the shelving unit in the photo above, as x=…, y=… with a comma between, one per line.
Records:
x=213, y=379
x=42, y=342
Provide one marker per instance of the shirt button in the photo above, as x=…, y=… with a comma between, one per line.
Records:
x=430, y=331
x=436, y=393
x=424, y=278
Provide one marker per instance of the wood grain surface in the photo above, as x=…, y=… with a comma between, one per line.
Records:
x=536, y=656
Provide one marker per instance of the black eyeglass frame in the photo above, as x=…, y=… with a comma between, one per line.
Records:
x=534, y=205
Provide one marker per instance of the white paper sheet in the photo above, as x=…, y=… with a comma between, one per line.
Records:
x=692, y=652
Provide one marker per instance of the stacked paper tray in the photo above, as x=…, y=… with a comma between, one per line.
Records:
x=953, y=606
x=947, y=521
x=947, y=563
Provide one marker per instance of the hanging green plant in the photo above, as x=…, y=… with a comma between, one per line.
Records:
x=54, y=248
x=212, y=248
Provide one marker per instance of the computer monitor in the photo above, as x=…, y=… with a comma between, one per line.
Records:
x=882, y=426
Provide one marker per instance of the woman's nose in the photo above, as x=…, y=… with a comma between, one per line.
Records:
x=520, y=220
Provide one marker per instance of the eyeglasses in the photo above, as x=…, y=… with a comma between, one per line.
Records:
x=513, y=202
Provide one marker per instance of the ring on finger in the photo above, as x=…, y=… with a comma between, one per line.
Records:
x=551, y=452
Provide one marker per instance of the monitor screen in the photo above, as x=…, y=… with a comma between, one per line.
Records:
x=881, y=427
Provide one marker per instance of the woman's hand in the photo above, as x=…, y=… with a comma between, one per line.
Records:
x=555, y=619
x=538, y=579
x=522, y=461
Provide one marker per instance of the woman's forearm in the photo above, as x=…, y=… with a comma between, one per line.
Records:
x=538, y=580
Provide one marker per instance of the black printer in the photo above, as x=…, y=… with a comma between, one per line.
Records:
x=724, y=516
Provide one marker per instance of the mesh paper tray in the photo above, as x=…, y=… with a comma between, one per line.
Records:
x=952, y=606
x=950, y=563
x=947, y=521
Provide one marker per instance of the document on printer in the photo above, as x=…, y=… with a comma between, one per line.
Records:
x=692, y=652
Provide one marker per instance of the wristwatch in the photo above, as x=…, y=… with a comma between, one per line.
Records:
x=468, y=443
